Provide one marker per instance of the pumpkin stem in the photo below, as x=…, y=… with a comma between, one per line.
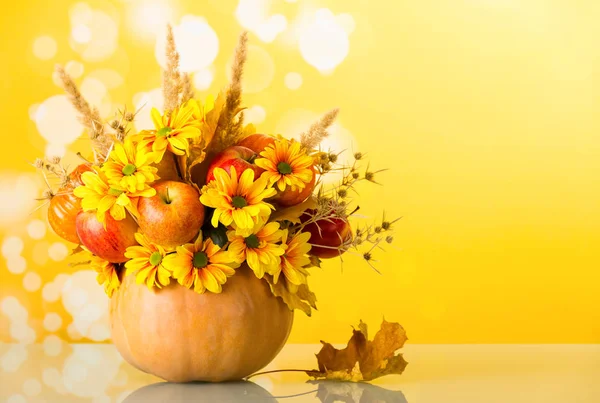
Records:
x=277, y=370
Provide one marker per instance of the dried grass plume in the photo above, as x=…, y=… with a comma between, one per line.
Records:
x=318, y=131
x=89, y=116
x=172, y=82
x=230, y=125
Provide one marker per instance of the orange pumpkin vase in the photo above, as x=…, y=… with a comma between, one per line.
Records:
x=182, y=336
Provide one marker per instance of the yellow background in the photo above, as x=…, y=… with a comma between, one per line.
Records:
x=484, y=111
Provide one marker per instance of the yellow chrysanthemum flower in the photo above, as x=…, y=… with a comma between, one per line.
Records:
x=97, y=194
x=201, y=265
x=147, y=262
x=294, y=259
x=172, y=130
x=239, y=201
x=286, y=164
x=260, y=249
x=129, y=166
x=108, y=274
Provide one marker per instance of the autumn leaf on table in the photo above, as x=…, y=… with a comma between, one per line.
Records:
x=347, y=392
x=363, y=359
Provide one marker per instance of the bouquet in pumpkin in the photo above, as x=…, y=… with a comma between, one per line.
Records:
x=202, y=199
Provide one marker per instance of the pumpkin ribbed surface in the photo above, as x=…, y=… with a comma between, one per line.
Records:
x=182, y=336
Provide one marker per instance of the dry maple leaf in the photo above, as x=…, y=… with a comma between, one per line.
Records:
x=293, y=213
x=363, y=359
x=302, y=299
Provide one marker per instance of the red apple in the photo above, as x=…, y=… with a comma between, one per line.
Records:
x=257, y=142
x=327, y=235
x=107, y=243
x=241, y=158
x=173, y=216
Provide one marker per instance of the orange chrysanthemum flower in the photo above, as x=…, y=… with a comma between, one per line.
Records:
x=147, y=263
x=286, y=164
x=172, y=131
x=237, y=201
x=201, y=265
x=295, y=258
x=129, y=166
x=108, y=274
x=260, y=249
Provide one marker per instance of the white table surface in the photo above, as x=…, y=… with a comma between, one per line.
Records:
x=436, y=373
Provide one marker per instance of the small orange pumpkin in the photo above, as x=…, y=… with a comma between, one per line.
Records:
x=65, y=206
x=182, y=336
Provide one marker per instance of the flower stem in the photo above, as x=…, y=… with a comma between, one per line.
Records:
x=276, y=370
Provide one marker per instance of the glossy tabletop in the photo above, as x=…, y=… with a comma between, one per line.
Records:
x=60, y=372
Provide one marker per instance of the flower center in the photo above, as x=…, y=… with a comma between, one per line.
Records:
x=284, y=168
x=155, y=258
x=164, y=131
x=200, y=260
x=129, y=169
x=115, y=192
x=252, y=241
x=238, y=202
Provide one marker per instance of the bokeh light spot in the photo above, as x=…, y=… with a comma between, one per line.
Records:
x=203, y=79
x=293, y=80
x=323, y=42
x=52, y=321
x=36, y=229
x=44, y=47
x=196, y=41
x=255, y=114
x=58, y=251
x=32, y=281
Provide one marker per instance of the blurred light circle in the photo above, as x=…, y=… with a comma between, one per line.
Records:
x=255, y=114
x=32, y=281
x=51, y=377
x=74, y=68
x=36, y=229
x=32, y=387
x=57, y=120
x=16, y=264
x=203, y=79
x=293, y=80
x=149, y=16
x=44, y=47
x=12, y=246
x=16, y=399
x=18, y=194
x=13, y=357
x=254, y=16
x=324, y=43
x=52, y=345
x=22, y=332
x=50, y=292
x=32, y=110
x=73, y=333
x=258, y=71
x=80, y=13
x=196, y=42
x=58, y=251
x=346, y=21
x=13, y=309
x=99, y=332
x=55, y=150
x=81, y=33
x=52, y=321
x=93, y=90
x=95, y=37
